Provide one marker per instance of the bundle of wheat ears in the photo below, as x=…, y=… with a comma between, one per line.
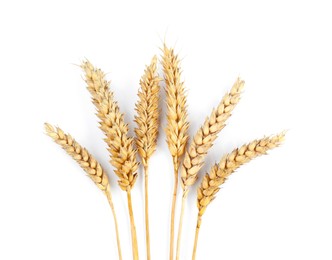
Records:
x=188, y=159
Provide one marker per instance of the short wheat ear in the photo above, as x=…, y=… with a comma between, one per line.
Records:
x=177, y=124
x=147, y=120
x=219, y=173
x=121, y=146
x=89, y=164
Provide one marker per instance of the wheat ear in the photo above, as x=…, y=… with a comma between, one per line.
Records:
x=203, y=140
x=177, y=124
x=219, y=173
x=122, y=152
x=147, y=120
x=89, y=164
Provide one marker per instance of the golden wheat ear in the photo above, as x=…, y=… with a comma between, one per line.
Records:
x=203, y=140
x=147, y=108
x=177, y=123
x=120, y=145
x=208, y=132
x=88, y=163
x=219, y=173
x=147, y=121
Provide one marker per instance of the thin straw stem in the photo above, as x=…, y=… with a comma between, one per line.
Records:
x=175, y=191
x=199, y=220
x=183, y=204
x=133, y=228
x=147, y=228
x=110, y=201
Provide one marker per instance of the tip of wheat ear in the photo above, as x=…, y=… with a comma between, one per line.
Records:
x=87, y=162
x=147, y=108
x=207, y=133
x=219, y=173
x=177, y=123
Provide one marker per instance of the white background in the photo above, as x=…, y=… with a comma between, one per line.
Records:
x=277, y=207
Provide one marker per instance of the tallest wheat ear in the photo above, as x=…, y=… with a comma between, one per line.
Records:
x=202, y=142
x=219, y=173
x=122, y=152
x=177, y=125
x=147, y=120
x=89, y=164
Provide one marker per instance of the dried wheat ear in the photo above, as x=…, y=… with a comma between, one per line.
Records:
x=219, y=173
x=147, y=108
x=89, y=164
x=121, y=146
x=206, y=135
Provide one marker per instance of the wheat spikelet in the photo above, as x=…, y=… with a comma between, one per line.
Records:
x=123, y=154
x=228, y=164
x=177, y=125
x=147, y=118
x=205, y=136
x=88, y=163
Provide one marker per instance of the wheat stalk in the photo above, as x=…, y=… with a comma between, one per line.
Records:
x=89, y=164
x=177, y=124
x=147, y=120
x=203, y=140
x=219, y=173
x=122, y=152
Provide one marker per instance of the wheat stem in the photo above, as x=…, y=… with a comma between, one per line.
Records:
x=183, y=204
x=132, y=226
x=175, y=191
x=147, y=227
x=198, y=226
x=110, y=201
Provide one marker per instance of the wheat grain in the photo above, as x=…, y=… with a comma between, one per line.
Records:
x=177, y=124
x=219, y=173
x=147, y=120
x=89, y=164
x=122, y=152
